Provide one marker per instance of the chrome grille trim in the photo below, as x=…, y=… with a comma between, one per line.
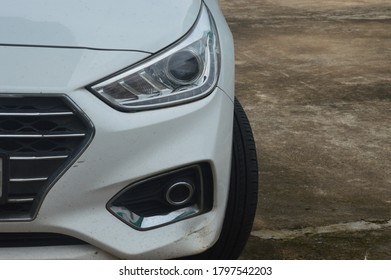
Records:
x=20, y=114
x=28, y=179
x=42, y=135
x=21, y=200
x=39, y=158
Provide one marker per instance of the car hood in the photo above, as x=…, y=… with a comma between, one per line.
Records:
x=96, y=24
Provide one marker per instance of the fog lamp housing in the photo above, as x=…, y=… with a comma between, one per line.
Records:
x=166, y=198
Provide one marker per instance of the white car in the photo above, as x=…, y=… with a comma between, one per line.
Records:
x=120, y=135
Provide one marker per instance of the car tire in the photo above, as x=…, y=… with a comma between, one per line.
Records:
x=243, y=192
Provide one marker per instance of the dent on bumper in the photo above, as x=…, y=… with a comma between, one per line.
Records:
x=126, y=149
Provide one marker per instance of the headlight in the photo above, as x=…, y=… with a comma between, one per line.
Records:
x=185, y=72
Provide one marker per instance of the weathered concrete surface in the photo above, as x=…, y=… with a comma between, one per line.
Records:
x=315, y=80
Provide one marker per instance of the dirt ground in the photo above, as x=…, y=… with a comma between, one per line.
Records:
x=315, y=80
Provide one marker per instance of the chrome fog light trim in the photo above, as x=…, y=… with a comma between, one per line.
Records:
x=144, y=223
x=180, y=193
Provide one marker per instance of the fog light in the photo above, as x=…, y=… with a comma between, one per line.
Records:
x=166, y=198
x=179, y=193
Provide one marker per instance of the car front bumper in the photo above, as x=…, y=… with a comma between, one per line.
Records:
x=127, y=148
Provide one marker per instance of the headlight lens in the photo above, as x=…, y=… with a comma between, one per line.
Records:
x=185, y=72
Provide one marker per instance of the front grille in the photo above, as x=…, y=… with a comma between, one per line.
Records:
x=36, y=239
x=39, y=138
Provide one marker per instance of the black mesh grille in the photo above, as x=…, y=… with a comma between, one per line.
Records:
x=39, y=137
x=37, y=239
